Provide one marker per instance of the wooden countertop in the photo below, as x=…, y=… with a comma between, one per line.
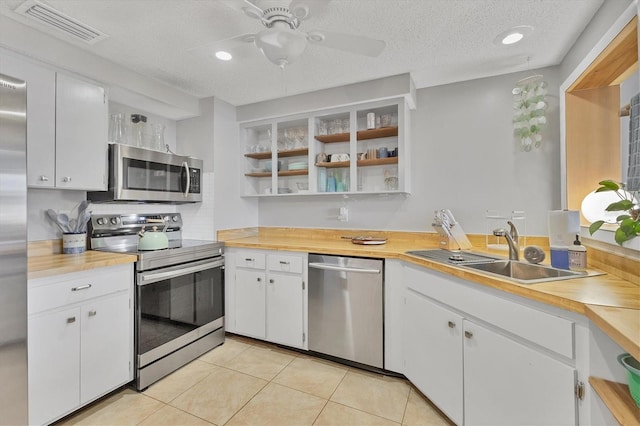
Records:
x=621, y=324
x=45, y=260
x=613, y=303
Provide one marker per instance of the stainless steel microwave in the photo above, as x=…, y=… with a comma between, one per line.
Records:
x=143, y=175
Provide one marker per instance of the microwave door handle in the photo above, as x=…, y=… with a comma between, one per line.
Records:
x=188, y=186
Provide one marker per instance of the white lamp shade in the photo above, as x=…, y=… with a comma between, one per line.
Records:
x=281, y=46
x=594, y=206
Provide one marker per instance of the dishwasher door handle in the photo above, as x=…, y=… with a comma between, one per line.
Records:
x=329, y=267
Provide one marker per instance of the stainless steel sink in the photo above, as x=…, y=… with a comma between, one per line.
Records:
x=526, y=273
x=453, y=257
x=520, y=272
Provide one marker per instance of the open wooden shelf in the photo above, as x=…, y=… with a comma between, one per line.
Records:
x=281, y=154
x=280, y=173
x=360, y=163
x=333, y=165
x=617, y=398
x=259, y=155
x=336, y=137
x=293, y=152
x=383, y=132
x=378, y=161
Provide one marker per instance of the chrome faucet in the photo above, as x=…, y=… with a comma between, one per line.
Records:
x=512, y=239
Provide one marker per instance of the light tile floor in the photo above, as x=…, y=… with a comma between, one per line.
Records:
x=248, y=382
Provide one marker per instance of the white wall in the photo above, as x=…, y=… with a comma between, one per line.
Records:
x=464, y=158
x=231, y=211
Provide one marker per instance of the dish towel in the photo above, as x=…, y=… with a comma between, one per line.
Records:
x=633, y=172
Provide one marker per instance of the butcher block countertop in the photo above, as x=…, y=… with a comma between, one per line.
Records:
x=612, y=302
x=46, y=260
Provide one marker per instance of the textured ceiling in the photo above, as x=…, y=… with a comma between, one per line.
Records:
x=438, y=41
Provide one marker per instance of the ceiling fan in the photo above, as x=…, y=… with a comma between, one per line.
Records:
x=282, y=42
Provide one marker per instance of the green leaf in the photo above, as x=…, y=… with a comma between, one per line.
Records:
x=620, y=206
x=628, y=226
x=610, y=184
x=622, y=217
x=621, y=236
x=604, y=189
x=595, y=226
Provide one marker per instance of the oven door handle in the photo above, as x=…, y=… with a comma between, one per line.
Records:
x=148, y=278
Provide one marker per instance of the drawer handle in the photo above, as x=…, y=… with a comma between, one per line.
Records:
x=282, y=262
x=468, y=334
x=452, y=324
x=71, y=320
x=93, y=313
x=248, y=259
x=44, y=178
x=66, y=179
x=81, y=287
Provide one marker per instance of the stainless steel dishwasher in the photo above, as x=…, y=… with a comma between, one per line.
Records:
x=346, y=309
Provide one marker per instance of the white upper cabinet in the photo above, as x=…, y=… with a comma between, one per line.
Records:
x=66, y=127
x=41, y=115
x=81, y=134
x=329, y=152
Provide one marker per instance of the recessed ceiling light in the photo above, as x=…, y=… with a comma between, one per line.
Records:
x=223, y=56
x=513, y=35
x=512, y=38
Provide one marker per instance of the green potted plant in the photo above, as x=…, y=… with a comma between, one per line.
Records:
x=629, y=221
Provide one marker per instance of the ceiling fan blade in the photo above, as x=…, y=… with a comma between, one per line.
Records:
x=347, y=42
x=248, y=7
x=302, y=9
x=239, y=47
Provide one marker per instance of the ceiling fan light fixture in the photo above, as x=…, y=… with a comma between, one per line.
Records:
x=281, y=46
x=223, y=56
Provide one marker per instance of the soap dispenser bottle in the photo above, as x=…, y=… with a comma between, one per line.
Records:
x=577, y=256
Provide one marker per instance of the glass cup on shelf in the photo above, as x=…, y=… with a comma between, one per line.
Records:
x=323, y=127
x=345, y=125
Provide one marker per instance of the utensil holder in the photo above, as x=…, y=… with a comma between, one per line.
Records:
x=74, y=243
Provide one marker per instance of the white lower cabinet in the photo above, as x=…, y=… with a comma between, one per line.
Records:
x=266, y=295
x=54, y=357
x=285, y=322
x=478, y=372
x=433, y=353
x=250, y=306
x=80, y=343
x=508, y=383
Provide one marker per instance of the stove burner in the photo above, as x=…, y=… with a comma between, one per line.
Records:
x=456, y=257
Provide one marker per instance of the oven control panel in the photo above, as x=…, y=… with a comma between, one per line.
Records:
x=101, y=223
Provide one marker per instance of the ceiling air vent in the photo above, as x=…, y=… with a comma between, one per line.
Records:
x=53, y=18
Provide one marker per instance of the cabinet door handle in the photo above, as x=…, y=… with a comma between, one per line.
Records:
x=44, y=178
x=248, y=259
x=452, y=324
x=259, y=279
x=81, y=287
x=271, y=281
x=71, y=320
x=282, y=262
x=93, y=313
x=468, y=334
x=66, y=179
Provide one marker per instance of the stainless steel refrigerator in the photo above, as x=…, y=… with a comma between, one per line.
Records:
x=13, y=251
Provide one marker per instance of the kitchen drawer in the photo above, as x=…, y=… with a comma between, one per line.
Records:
x=60, y=290
x=250, y=259
x=283, y=263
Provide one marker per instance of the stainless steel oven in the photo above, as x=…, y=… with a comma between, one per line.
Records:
x=179, y=298
x=138, y=174
x=179, y=316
